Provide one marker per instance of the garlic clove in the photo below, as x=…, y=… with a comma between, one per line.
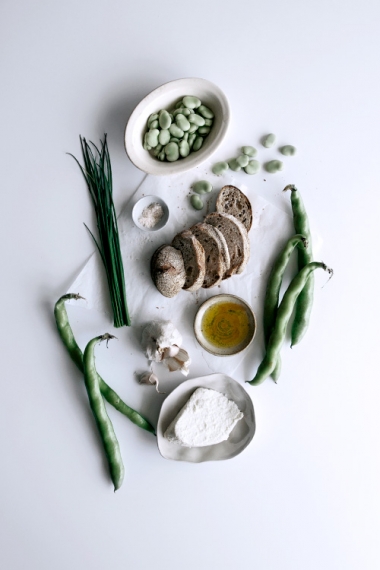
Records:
x=179, y=362
x=149, y=378
x=171, y=351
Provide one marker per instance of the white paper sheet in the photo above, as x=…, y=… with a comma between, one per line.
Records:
x=271, y=229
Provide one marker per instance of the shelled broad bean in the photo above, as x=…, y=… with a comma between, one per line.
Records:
x=172, y=135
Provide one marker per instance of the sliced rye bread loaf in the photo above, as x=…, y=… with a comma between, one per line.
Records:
x=211, y=240
x=232, y=201
x=193, y=257
x=236, y=237
x=168, y=270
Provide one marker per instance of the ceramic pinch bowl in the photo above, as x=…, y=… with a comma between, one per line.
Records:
x=165, y=97
x=142, y=204
x=239, y=438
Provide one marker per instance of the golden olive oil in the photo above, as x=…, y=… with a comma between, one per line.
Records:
x=225, y=324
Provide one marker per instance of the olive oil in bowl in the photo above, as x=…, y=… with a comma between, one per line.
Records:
x=224, y=325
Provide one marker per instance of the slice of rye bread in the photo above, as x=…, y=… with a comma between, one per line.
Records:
x=168, y=270
x=211, y=239
x=236, y=237
x=232, y=201
x=193, y=257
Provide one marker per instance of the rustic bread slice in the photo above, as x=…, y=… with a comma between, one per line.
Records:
x=215, y=267
x=193, y=257
x=168, y=270
x=236, y=237
x=232, y=201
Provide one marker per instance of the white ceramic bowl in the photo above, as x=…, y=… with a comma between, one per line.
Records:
x=240, y=436
x=218, y=351
x=165, y=97
x=143, y=203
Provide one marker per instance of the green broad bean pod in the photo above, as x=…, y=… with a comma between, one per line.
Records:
x=305, y=256
x=104, y=424
x=75, y=353
x=272, y=294
x=284, y=312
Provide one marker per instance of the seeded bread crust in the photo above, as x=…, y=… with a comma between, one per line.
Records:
x=215, y=267
x=232, y=201
x=193, y=257
x=236, y=237
x=168, y=270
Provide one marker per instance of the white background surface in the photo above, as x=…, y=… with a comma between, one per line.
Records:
x=304, y=495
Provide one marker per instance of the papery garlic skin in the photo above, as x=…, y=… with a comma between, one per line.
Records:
x=149, y=378
x=157, y=336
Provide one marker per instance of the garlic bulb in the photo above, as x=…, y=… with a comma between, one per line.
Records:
x=161, y=342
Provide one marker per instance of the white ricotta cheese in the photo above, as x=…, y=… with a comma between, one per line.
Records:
x=207, y=418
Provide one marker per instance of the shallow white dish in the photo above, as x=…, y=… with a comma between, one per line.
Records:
x=240, y=436
x=165, y=97
x=143, y=203
x=218, y=351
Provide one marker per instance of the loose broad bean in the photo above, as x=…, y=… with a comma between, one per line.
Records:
x=191, y=102
x=195, y=119
x=205, y=112
x=202, y=187
x=269, y=140
x=249, y=150
x=288, y=150
x=252, y=167
x=235, y=166
x=151, y=118
x=184, y=148
x=164, y=119
x=193, y=129
x=196, y=202
x=198, y=143
x=182, y=122
x=220, y=168
x=152, y=137
x=242, y=160
x=175, y=131
x=192, y=138
x=274, y=166
x=172, y=152
x=164, y=136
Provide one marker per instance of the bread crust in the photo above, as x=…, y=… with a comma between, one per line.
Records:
x=236, y=237
x=208, y=236
x=193, y=257
x=167, y=269
x=233, y=201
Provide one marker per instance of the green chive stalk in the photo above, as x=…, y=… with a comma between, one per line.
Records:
x=98, y=175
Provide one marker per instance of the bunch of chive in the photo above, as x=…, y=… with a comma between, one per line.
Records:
x=98, y=175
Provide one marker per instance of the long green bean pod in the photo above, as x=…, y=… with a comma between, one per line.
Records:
x=305, y=256
x=68, y=339
x=105, y=427
x=284, y=312
x=272, y=294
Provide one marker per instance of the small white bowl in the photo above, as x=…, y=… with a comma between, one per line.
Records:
x=215, y=350
x=165, y=97
x=239, y=438
x=143, y=203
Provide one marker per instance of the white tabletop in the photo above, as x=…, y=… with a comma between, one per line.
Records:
x=304, y=494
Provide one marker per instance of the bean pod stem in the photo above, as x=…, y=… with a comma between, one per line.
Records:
x=104, y=424
x=272, y=294
x=284, y=312
x=68, y=339
x=305, y=256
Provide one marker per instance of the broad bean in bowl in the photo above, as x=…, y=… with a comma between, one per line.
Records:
x=177, y=126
